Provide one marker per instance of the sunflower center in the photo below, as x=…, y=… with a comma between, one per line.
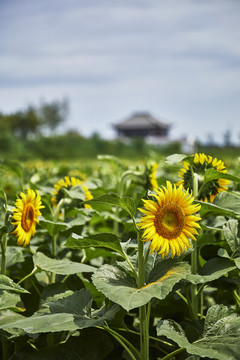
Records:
x=27, y=217
x=169, y=221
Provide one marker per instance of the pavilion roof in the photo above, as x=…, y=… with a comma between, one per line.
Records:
x=141, y=120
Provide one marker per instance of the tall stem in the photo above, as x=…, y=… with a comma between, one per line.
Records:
x=4, y=244
x=143, y=313
x=194, y=260
x=55, y=236
x=3, y=248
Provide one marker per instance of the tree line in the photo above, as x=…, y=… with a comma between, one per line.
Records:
x=35, y=120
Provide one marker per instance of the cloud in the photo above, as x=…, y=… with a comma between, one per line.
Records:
x=178, y=59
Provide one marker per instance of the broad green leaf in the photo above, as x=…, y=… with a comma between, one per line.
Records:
x=215, y=313
x=213, y=269
x=208, y=209
x=113, y=199
x=66, y=314
x=9, y=316
x=222, y=344
x=104, y=240
x=117, y=285
x=8, y=284
x=175, y=159
x=212, y=174
x=54, y=292
x=14, y=255
x=230, y=231
x=237, y=262
x=76, y=192
x=62, y=267
x=51, y=226
x=228, y=201
x=9, y=300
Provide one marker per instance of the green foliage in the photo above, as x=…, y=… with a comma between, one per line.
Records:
x=75, y=291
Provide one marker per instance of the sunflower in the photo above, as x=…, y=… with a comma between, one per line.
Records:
x=201, y=163
x=169, y=221
x=68, y=183
x=153, y=176
x=26, y=216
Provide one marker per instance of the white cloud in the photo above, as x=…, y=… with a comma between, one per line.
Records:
x=178, y=59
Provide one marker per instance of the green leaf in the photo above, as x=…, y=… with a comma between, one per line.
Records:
x=8, y=316
x=51, y=226
x=215, y=313
x=175, y=158
x=208, y=209
x=113, y=199
x=116, y=283
x=213, y=269
x=230, y=231
x=228, y=201
x=62, y=267
x=14, y=255
x=4, y=197
x=110, y=158
x=76, y=192
x=8, y=284
x=66, y=314
x=104, y=240
x=212, y=174
x=9, y=300
x=222, y=342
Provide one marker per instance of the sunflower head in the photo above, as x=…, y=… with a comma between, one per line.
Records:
x=199, y=164
x=68, y=183
x=26, y=215
x=151, y=171
x=170, y=220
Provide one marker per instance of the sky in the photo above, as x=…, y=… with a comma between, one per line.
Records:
x=177, y=59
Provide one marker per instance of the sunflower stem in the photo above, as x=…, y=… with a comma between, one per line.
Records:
x=172, y=354
x=3, y=241
x=3, y=248
x=194, y=259
x=132, y=351
x=143, y=313
x=36, y=269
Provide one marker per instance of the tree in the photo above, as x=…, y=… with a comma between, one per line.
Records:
x=53, y=114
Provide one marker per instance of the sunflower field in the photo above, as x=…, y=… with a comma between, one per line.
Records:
x=111, y=260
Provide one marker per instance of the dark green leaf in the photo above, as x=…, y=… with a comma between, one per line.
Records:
x=62, y=267
x=113, y=199
x=213, y=269
x=104, y=240
x=212, y=174
x=230, y=231
x=222, y=342
x=66, y=314
x=116, y=283
x=215, y=313
x=8, y=284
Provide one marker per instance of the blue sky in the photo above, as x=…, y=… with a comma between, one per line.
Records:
x=177, y=59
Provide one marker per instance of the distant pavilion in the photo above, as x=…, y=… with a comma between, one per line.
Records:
x=143, y=124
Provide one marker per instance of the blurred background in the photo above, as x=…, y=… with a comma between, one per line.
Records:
x=84, y=77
